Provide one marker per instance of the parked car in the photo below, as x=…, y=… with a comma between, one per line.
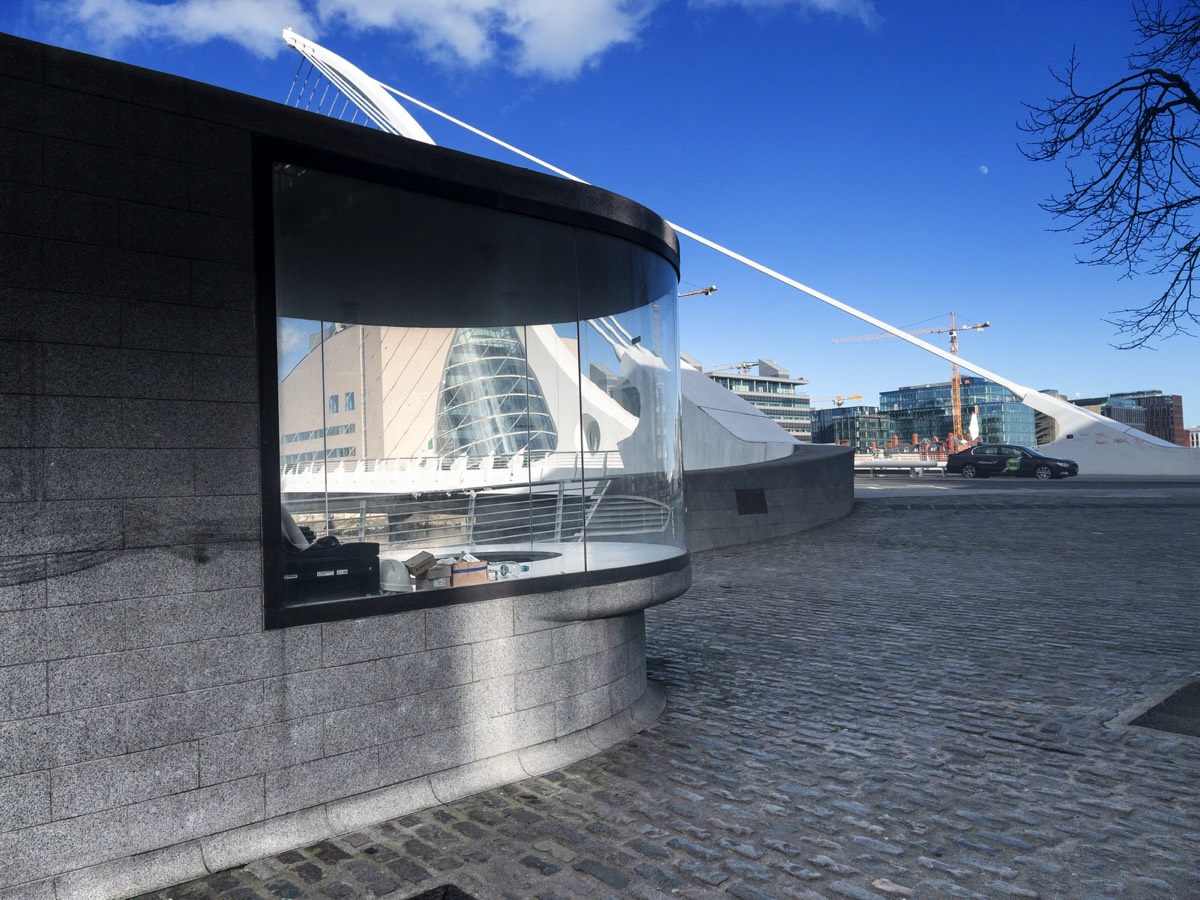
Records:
x=983, y=460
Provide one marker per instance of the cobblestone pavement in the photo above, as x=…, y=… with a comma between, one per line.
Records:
x=922, y=700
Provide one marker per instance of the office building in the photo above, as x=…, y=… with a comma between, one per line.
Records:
x=924, y=410
x=773, y=390
x=862, y=427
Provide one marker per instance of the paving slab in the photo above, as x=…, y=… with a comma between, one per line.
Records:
x=929, y=698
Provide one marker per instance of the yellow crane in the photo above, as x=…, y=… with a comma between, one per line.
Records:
x=838, y=400
x=955, y=379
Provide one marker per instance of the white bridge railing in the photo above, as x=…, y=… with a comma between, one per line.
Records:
x=418, y=475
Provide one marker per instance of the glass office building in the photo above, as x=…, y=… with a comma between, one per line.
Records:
x=925, y=410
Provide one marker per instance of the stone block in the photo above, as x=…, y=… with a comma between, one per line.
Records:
x=84, y=630
x=66, y=319
x=35, y=744
x=158, y=671
x=39, y=890
x=374, y=638
x=80, y=422
x=356, y=727
x=60, y=526
x=259, y=840
x=511, y=655
x=628, y=689
x=227, y=472
x=156, y=132
x=144, y=872
x=20, y=263
x=430, y=670
x=23, y=637
x=22, y=582
x=454, y=784
x=99, y=474
x=113, y=272
x=190, y=424
x=178, y=718
x=536, y=612
x=506, y=734
x=24, y=801
x=230, y=379
x=93, y=577
x=223, y=286
x=379, y=805
x=17, y=412
x=469, y=623
x=437, y=710
x=548, y=684
x=124, y=780
x=180, y=233
x=320, y=781
x=557, y=754
x=115, y=372
x=32, y=854
x=22, y=691
x=105, y=78
x=226, y=564
x=581, y=711
x=256, y=751
x=580, y=639
x=216, y=193
x=186, y=618
x=58, y=215
x=320, y=691
x=20, y=156
x=183, y=817
x=200, y=523
x=424, y=754
x=116, y=174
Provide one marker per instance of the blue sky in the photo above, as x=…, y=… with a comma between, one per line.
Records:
x=867, y=148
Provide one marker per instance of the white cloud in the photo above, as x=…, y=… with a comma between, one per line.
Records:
x=553, y=38
x=255, y=24
x=550, y=38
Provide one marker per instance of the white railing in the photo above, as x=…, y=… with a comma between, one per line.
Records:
x=417, y=475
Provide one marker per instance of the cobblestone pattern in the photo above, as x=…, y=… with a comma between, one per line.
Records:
x=917, y=701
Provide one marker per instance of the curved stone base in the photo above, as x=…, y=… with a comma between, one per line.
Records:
x=180, y=863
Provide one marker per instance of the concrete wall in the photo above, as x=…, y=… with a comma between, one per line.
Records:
x=726, y=507
x=150, y=729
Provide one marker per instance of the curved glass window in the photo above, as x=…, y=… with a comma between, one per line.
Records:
x=509, y=400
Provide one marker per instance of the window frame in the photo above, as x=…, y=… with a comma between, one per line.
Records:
x=266, y=152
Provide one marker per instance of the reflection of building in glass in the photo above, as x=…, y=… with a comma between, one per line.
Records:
x=860, y=427
x=490, y=403
x=439, y=392
x=773, y=390
x=924, y=410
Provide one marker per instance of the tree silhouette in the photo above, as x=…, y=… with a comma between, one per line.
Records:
x=1132, y=158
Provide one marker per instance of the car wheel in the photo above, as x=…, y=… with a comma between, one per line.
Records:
x=1043, y=473
x=969, y=471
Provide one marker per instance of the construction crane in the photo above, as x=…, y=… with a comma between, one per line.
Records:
x=743, y=367
x=955, y=378
x=706, y=291
x=838, y=400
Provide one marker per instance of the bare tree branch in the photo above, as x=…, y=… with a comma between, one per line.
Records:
x=1132, y=150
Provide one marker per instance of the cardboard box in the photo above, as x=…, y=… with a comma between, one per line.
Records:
x=420, y=564
x=475, y=572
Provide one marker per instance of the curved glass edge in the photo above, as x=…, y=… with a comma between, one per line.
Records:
x=445, y=460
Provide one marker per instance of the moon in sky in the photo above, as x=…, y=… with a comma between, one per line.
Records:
x=983, y=170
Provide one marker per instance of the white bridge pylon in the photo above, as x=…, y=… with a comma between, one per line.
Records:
x=1101, y=445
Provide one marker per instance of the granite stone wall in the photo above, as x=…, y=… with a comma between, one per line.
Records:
x=727, y=507
x=150, y=728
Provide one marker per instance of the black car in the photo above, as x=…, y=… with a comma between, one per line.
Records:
x=983, y=460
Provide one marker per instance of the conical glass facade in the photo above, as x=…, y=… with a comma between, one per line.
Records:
x=491, y=403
